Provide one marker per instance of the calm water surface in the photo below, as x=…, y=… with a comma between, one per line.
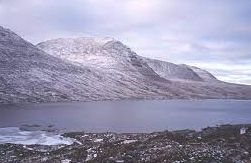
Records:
x=128, y=116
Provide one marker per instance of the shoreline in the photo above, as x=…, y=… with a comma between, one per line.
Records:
x=126, y=99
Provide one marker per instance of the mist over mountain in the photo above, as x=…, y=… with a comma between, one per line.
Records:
x=89, y=68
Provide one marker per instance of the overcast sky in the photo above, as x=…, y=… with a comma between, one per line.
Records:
x=212, y=34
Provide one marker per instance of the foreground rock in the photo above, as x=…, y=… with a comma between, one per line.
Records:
x=227, y=143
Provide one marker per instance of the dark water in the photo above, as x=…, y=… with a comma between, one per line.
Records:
x=128, y=116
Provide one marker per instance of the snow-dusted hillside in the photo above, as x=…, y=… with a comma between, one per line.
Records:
x=203, y=74
x=87, y=69
x=28, y=74
x=172, y=71
x=105, y=54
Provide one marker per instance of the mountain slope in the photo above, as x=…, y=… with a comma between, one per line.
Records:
x=28, y=74
x=114, y=58
x=87, y=69
x=103, y=53
x=203, y=74
x=172, y=71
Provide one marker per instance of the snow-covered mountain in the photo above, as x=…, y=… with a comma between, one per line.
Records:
x=87, y=69
x=28, y=74
x=112, y=56
x=105, y=54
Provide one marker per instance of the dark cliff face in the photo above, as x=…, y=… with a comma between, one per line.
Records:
x=86, y=69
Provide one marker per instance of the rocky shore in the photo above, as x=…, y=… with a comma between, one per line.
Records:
x=226, y=143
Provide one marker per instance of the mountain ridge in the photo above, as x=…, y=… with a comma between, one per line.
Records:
x=54, y=47
x=106, y=70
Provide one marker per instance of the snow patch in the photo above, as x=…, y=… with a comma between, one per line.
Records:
x=98, y=140
x=15, y=136
x=65, y=161
x=129, y=141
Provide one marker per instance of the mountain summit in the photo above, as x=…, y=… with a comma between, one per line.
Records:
x=89, y=68
x=113, y=56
